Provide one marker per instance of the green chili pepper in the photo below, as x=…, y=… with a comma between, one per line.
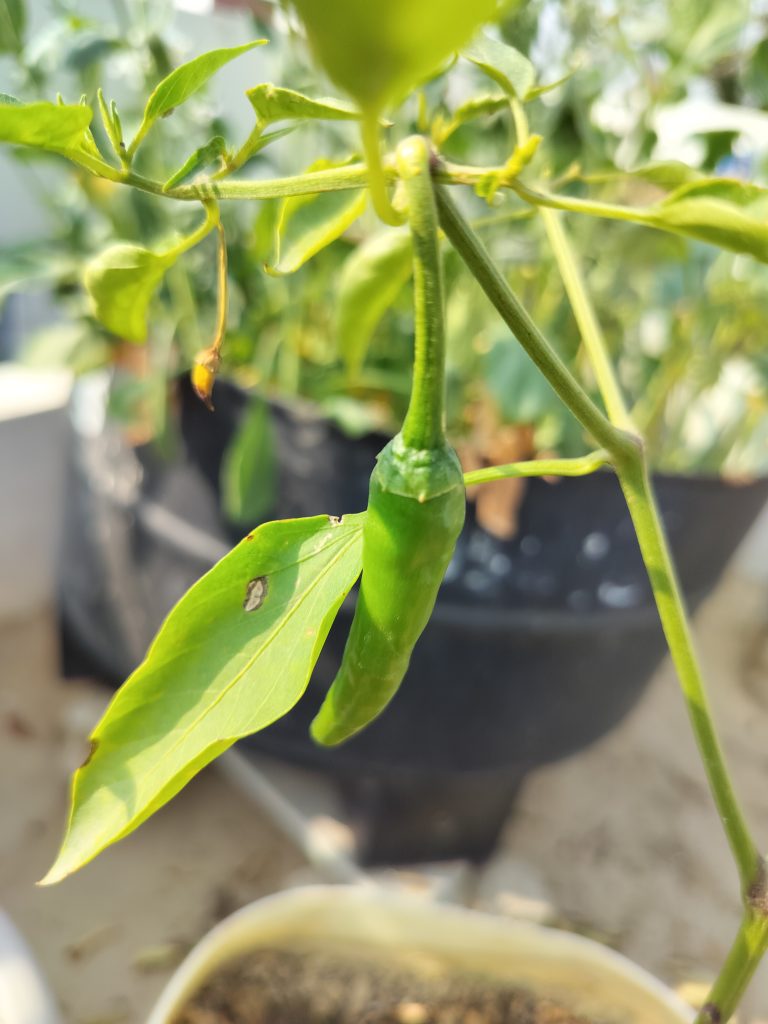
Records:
x=416, y=500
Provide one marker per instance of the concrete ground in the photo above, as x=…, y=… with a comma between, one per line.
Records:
x=619, y=841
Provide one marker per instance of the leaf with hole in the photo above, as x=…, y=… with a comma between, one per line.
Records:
x=371, y=279
x=234, y=655
x=121, y=282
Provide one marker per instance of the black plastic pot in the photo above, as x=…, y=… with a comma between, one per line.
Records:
x=537, y=647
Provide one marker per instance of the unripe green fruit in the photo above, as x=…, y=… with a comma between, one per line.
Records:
x=378, y=50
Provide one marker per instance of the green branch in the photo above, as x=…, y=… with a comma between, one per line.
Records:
x=743, y=958
x=423, y=426
x=635, y=483
x=616, y=441
x=589, y=327
x=581, y=466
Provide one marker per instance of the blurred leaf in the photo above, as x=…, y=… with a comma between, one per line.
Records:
x=234, y=655
x=726, y=213
x=121, y=282
x=664, y=173
x=73, y=346
x=13, y=17
x=504, y=64
x=249, y=470
x=307, y=224
x=202, y=157
x=540, y=90
x=756, y=74
x=23, y=266
x=371, y=279
x=521, y=392
x=273, y=103
x=378, y=52
x=8, y=100
x=49, y=126
x=91, y=50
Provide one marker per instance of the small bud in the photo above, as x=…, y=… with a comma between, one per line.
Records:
x=204, y=373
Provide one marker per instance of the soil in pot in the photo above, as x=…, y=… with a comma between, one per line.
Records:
x=311, y=986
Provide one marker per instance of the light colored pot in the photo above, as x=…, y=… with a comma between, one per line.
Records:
x=579, y=973
x=24, y=995
x=33, y=448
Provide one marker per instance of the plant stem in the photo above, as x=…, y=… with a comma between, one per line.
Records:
x=580, y=466
x=473, y=252
x=628, y=458
x=589, y=327
x=635, y=483
x=423, y=425
x=377, y=181
x=743, y=958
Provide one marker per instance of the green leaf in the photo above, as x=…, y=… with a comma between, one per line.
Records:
x=202, y=157
x=307, y=224
x=121, y=282
x=184, y=81
x=730, y=214
x=234, y=655
x=371, y=279
x=7, y=100
x=664, y=173
x=249, y=470
x=480, y=106
x=13, y=18
x=541, y=90
x=503, y=63
x=273, y=103
x=57, y=128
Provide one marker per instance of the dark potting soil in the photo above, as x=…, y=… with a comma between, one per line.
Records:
x=317, y=987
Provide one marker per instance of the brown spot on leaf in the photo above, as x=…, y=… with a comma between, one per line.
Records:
x=91, y=751
x=711, y=1012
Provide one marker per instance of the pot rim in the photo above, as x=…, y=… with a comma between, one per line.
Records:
x=392, y=921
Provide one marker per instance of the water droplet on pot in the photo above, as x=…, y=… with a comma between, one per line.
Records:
x=530, y=545
x=500, y=564
x=595, y=546
x=619, y=595
x=477, y=580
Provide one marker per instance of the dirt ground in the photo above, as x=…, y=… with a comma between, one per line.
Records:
x=620, y=840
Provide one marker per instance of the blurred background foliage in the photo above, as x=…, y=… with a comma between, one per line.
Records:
x=642, y=80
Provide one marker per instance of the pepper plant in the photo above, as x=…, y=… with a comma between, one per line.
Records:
x=238, y=649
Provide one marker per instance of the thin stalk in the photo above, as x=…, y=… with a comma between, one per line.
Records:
x=589, y=326
x=634, y=480
x=377, y=180
x=423, y=426
x=743, y=958
x=581, y=466
x=475, y=255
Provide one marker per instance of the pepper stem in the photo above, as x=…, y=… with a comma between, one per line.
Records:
x=423, y=425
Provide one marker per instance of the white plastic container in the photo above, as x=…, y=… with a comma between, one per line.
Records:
x=33, y=439
x=579, y=973
x=24, y=996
